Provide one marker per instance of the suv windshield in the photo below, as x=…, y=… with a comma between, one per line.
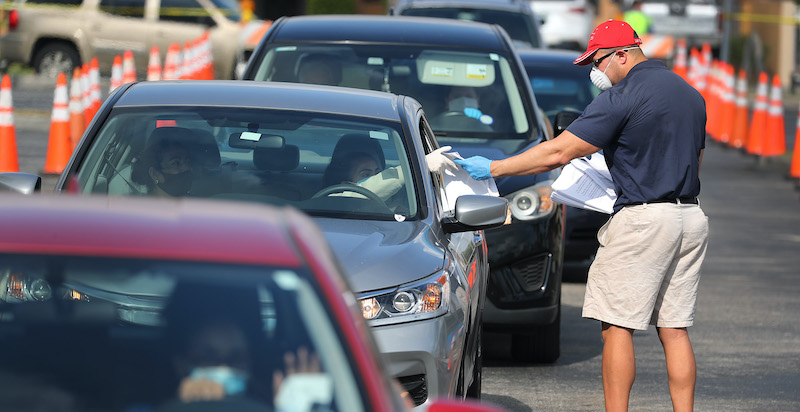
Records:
x=324, y=164
x=470, y=94
x=102, y=334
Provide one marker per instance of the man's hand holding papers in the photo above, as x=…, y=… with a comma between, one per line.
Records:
x=586, y=183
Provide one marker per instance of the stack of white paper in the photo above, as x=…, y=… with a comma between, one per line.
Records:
x=586, y=183
x=458, y=182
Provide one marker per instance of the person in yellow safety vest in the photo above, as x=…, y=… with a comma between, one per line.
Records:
x=638, y=20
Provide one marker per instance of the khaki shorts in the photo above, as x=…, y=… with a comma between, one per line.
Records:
x=647, y=267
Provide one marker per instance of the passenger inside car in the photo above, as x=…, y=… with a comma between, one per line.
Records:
x=462, y=111
x=319, y=69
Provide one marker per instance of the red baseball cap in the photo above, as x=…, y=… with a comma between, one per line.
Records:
x=609, y=34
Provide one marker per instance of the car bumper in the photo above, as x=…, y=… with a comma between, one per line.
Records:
x=424, y=355
x=525, y=260
x=581, y=235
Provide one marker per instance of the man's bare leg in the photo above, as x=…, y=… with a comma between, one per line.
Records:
x=619, y=366
x=681, y=368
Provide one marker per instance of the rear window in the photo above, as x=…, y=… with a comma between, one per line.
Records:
x=518, y=25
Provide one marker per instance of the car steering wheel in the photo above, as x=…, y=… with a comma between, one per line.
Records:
x=347, y=187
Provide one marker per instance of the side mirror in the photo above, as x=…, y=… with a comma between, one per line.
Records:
x=564, y=119
x=24, y=183
x=476, y=212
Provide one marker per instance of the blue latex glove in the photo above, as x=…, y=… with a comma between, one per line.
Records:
x=478, y=167
x=473, y=113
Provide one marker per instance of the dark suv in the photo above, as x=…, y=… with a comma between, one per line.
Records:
x=517, y=18
x=471, y=82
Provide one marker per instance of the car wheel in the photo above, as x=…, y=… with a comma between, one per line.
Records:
x=56, y=57
x=541, y=346
x=474, y=390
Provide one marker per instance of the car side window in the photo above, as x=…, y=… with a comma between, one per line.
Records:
x=124, y=8
x=184, y=11
x=428, y=139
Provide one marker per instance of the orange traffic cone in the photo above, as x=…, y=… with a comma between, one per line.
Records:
x=727, y=105
x=58, y=146
x=794, y=169
x=679, y=67
x=739, y=136
x=173, y=62
x=775, y=138
x=116, y=74
x=208, y=56
x=154, y=65
x=9, y=161
x=76, y=121
x=94, y=84
x=755, y=138
x=187, y=68
x=713, y=100
x=86, y=88
x=128, y=67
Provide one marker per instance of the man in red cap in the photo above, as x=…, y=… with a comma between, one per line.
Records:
x=650, y=125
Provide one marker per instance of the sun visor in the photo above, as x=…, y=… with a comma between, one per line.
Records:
x=456, y=69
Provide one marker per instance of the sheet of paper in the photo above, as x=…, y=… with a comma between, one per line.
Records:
x=586, y=183
x=458, y=182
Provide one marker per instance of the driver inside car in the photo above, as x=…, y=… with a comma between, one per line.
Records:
x=462, y=111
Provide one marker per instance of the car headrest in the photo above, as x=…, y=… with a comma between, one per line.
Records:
x=280, y=160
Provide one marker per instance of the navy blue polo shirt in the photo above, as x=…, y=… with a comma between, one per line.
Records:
x=651, y=127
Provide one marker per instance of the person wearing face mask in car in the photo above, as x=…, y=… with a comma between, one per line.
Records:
x=462, y=112
x=650, y=125
x=165, y=166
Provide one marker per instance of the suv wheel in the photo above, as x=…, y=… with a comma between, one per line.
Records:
x=542, y=346
x=56, y=57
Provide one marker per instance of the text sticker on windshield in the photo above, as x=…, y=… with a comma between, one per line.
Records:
x=476, y=71
x=378, y=135
x=251, y=136
x=375, y=61
x=442, y=71
x=286, y=48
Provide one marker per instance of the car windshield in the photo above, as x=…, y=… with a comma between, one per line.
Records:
x=558, y=90
x=324, y=164
x=228, y=8
x=104, y=334
x=468, y=94
x=518, y=25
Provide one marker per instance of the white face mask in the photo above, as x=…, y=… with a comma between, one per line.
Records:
x=600, y=79
x=460, y=103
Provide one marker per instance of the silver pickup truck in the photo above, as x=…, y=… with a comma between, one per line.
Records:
x=697, y=21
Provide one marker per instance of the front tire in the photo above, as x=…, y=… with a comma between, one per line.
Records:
x=56, y=57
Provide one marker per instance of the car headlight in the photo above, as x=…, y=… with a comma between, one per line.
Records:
x=18, y=287
x=533, y=202
x=423, y=299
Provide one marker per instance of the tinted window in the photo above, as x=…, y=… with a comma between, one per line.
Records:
x=126, y=8
x=90, y=334
x=559, y=89
x=518, y=25
x=184, y=11
x=322, y=164
x=56, y=2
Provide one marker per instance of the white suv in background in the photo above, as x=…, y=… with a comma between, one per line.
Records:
x=565, y=24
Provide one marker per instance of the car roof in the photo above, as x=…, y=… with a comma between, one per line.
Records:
x=271, y=95
x=372, y=29
x=509, y=5
x=147, y=228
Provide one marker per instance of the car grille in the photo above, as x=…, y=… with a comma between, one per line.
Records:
x=515, y=282
x=416, y=387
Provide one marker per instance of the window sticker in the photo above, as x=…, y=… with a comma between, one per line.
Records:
x=494, y=57
x=476, y=71
x=375, y=61
x=286, y=48
x=442, y=71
